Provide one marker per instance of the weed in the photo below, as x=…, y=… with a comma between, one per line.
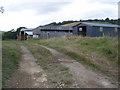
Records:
x=10, y=58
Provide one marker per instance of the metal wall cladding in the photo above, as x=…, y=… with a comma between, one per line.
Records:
x=94, y=31
x=50, y=35
x=91, y=31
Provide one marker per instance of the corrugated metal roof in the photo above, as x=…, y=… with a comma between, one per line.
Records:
x=27, y=29
x=55, y=28
x=29, y=33
x=71, y=24
x=102, y=25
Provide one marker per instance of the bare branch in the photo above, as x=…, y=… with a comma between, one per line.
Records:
x=2, y=9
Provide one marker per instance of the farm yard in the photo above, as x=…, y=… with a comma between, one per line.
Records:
x=61, y=62
x=71, y=44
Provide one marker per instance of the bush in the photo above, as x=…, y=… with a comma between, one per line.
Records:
x=9, y=35
x=12, y=34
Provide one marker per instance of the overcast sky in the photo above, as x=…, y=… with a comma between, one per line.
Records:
x=32, y=13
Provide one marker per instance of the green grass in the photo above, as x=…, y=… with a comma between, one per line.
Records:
x=11, y=56
x=56, y=72
x=100, y=53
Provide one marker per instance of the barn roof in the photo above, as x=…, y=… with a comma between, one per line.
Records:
x=27, y=29
x=55, y=28
x=90, y=24
x=100, y=25
x=71, y=24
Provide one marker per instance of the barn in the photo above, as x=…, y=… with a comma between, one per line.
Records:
x=29, y=31
x=51, y=31
x=25, y=34
x=96, y=30
x=77, y=28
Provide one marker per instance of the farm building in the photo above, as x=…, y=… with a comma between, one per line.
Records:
x=77, y=28
x=51, y=31
x=25, y=34
x=95, y=30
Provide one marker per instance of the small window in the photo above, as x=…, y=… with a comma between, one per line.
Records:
x=80, y=29
x=101, y=29
x=116, y=29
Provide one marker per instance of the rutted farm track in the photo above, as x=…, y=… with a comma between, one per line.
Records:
x=82, y=75
x=29, y=74
x=32, y=75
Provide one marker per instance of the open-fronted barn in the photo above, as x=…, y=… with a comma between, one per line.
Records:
x=77, y=28
x=51, y=31
x=25, y=34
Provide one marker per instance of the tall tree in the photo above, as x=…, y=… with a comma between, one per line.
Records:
x=18, y=29
x=107, y=19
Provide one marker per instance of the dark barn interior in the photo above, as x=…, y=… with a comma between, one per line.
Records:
x=22, y=35
x=82, y=31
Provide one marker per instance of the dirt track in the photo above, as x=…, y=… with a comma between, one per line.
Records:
x=29, y=74
x=83, y=76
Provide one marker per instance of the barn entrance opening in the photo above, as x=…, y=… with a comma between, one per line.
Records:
x=22, y=35
x=82, y=31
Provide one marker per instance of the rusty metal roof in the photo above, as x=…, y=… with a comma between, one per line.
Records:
x=71, y=24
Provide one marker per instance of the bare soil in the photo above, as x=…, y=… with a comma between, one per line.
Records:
x=84, y=77
x=29, y=74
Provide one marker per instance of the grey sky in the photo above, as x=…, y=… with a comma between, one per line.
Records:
x=32, y=13
x=119, y=9
x=40, y=7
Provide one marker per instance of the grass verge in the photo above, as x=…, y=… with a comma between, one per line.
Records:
x=11, y=56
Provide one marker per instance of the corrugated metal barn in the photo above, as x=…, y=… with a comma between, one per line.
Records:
x=96, y=30
x=51, y=31
x=77, y=28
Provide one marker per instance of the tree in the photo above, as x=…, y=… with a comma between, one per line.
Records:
x=51, y=24
x=119, y=21
x=107, y=19
x=9, y=35
x=18, y=29
x=12, y=34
